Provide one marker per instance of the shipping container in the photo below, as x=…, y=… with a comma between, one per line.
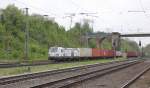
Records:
x=95, y=52
x=112, y=53
x=102, y=53
x=109, y=53
x=118, y=53
x=132, y=54
x=85, y=52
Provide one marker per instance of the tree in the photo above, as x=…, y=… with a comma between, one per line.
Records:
x=43, y=33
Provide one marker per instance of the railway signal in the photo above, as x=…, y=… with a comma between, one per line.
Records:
x=141, y=51
x=140, y=43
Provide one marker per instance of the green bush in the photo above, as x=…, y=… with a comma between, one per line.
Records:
x=15, y=54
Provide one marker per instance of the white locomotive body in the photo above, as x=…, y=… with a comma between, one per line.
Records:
x=61, y=53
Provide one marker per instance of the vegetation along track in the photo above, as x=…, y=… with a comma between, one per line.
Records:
x=30, y=63
x=32, y=80
x=18, y=64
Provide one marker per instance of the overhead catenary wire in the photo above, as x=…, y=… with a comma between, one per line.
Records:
x=71, y=15
x=141, y=4
x=78, y=6
x=36, y=8
x=43, y=10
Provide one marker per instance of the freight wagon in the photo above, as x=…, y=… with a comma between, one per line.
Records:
x=119, y=53
x=97, y=53
x=85, y=53
x=132, y=54
x=60, y=53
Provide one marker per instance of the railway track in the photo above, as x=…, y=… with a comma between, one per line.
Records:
x=105, y=68
x=67, y=82
x=12, y=79
x=129, y=82
x=34, y=63
x=117, y=79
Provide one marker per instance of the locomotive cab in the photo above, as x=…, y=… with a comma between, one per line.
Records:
x=60, y=53
x=55, y=52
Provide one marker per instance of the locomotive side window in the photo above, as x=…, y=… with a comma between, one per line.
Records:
x=62, y=50
x=54, y=49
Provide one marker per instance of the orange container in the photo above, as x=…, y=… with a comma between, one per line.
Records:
x=101, y=53
x=109, y=53
x=95, y=52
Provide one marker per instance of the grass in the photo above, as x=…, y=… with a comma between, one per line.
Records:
x=22, y=70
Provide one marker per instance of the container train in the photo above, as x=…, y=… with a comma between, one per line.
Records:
x=63, y=54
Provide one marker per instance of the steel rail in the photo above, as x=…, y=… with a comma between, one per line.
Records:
x=13, y=79
x=126, y=85
x=66, y=82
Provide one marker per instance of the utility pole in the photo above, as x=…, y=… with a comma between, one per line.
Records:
x=26, y=36
x=90, y=15
x=88, y=21
x=71, y=15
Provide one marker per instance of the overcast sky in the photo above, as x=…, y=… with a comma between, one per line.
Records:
x=111, y=15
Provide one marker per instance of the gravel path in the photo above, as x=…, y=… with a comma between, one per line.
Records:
x=113, y=80
x=142, y=82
